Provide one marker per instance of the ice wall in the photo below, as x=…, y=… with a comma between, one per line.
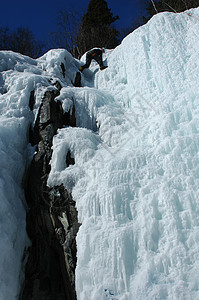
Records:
x=137, y=189
x=135, y=148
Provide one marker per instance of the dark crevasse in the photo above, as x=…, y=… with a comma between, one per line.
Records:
x=52, y=222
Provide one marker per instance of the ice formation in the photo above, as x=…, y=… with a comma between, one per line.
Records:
x=136, y=174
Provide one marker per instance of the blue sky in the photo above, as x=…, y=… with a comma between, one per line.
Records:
x=40, y=15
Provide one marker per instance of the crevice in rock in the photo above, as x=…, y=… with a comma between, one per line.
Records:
x=32, y=100
x=69, y=118
x=52, y=222
x=63, y=70
x=69, y=159
x=77, y=82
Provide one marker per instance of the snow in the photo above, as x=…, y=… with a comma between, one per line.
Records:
x=136, y=174
x=19, y=76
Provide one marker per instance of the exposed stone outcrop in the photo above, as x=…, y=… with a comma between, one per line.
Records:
x=52, y=218
x=77, y=82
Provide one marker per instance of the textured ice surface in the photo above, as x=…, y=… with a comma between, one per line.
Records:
x=136, y=174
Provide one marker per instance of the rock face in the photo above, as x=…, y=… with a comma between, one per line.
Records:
x=52, y=222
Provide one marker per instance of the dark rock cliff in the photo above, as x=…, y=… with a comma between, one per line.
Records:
x=52, y=222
